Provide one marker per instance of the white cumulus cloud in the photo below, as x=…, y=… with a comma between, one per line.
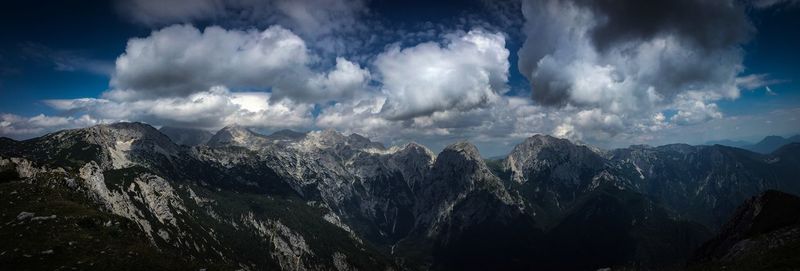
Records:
x=210, y=109
x=180, y=60
x=469, y=70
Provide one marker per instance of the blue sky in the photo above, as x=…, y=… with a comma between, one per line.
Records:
x=401, y=71
x=773, y=50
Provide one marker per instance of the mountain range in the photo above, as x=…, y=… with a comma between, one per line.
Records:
x=766, y=145
x=110, y=195
x=772, y=143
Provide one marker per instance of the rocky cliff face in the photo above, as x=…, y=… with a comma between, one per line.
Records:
x=551, y=173
x=762, y=233
x=458, y=174
x=703, y=183
x=460, y=204
x=324, y=200
x=237, y=136
x=222, y=205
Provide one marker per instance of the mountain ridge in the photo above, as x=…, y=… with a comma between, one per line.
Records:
x=323, y=199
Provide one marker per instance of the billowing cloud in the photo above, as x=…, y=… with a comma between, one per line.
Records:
x=210, y=109
x=599, y=72
x=615, y=68
x=468, y=71
x=21, y=127
x=435, y=93
x=179, y=60
x=181, y=76
x=344, y=81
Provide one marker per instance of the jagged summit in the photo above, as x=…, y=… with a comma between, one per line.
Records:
x=543, y=154
x=136, y=130
x=541, y=141
x=461, y=162
x=291, y=195
x=465, y=148
x=328, y=137
x=116, y=145
x=236, y=135
x=413, y=144
x=128, y=131
x=416, y=147
x=362, y=142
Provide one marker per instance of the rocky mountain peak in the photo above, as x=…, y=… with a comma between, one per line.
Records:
x=461, y=163
x=413, y=147
x=463, y=149
x=122, y=144
x=361, y=142
x=110, y=134
x=543, y=154
x=405, y=199
x=236, y=135
x=413, y=161
x=332, y=139
x=235, y=128
x=131, y=130
x=457, y=178
x=542, y=147
x=540, y=141
x=326, y=138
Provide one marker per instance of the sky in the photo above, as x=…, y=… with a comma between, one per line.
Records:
x=606, y=73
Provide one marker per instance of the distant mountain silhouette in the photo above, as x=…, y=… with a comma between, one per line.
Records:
x=730, y=143
x=771, y=143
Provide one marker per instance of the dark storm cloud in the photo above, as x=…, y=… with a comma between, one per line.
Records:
x=619, y=65
x=307, y=17
x=635, y=46
x=709, y=24
x=766, y=4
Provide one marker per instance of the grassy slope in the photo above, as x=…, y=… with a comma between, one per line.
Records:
x=80, y=236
